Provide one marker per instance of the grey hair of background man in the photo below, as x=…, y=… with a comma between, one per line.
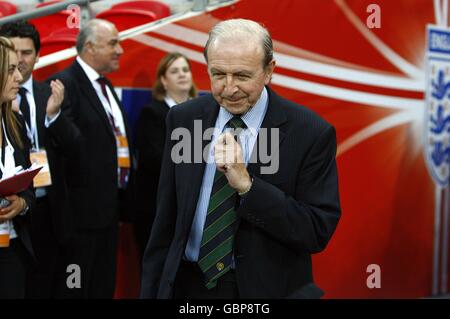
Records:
x=236, y=28
x=88, y=33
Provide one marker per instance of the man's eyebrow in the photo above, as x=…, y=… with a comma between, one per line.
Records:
x=243, y=72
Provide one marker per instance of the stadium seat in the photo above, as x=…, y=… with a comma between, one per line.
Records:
x=127, y=18
x=59, y=40
x=7, y=8
x=47, y=3
x=161, y=9
x=47, y=24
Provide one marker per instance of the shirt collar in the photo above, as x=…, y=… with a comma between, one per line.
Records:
x=90, y=72
x=169, y=101
x=253, y=118
x=28, y=85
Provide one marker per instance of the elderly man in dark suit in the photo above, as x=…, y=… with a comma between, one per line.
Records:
x=54, y=144
x=104, y=168
x=230, y=226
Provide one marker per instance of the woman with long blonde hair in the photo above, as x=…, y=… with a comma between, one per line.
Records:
x=15, y=244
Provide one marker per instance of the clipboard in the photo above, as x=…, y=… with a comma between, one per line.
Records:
x=18, y=182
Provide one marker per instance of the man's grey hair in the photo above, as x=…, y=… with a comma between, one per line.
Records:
x=88, y=33
x=235, y=28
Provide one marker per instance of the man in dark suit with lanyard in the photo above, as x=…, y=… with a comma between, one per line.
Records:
x=104, y=169
x=225, y=229
x=53, y=144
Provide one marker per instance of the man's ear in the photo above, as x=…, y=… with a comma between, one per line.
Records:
x=269, y=71
x=89, y=47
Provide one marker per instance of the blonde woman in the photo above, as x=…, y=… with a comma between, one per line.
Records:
x=17, y=251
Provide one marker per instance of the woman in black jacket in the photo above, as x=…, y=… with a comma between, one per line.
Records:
x=15, y=245
x=173, y=85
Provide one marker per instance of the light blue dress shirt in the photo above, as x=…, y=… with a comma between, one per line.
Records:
x=253, y=119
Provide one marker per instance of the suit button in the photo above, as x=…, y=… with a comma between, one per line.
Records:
x=220, y=266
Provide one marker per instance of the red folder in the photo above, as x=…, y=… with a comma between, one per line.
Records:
x=18, y=183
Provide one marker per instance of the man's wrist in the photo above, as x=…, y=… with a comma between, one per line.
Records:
x=49, y=119
x=51, y=115
x=247, y=189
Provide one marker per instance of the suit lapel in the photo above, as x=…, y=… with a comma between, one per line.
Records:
x=91, y=94
x=274, y=119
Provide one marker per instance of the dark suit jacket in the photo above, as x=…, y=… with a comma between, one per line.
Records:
x=283, y=219
x=22, y=157
x=62, y=143
x=149, y=146
x=94, y=172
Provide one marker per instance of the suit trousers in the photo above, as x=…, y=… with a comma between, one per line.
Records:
x=13, y=268
x=93, y=252
x=190, y=284
x=42, y=277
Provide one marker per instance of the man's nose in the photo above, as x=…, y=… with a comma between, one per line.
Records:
x=119, y=49
x=230, y=87
x=19, y=56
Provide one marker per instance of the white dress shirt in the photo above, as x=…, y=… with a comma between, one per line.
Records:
x=112, y=109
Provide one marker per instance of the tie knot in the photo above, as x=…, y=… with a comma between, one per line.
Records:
x=22, y=91
x=102, y=80
x=236, y=122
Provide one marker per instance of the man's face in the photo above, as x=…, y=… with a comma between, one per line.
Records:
x=13, y=80
x=237, y=75
x=27, y=56
x=106, y=50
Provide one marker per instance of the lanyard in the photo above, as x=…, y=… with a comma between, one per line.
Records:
x=105, y=97
x=33, y=133
x=2, y=164
x=5, y=144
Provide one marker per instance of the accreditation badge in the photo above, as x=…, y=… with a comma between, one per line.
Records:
x=123, y=152
x=43, y=178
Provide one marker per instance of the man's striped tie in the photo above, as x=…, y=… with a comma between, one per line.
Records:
x=216, y=247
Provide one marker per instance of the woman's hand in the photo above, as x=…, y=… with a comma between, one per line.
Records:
x=16, y=206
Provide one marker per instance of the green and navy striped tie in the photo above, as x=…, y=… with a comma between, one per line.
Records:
x=216, y=247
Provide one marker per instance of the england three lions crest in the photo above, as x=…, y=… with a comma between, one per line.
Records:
x=437, y=108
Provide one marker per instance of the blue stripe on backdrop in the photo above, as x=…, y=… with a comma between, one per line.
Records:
x=134, y=100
